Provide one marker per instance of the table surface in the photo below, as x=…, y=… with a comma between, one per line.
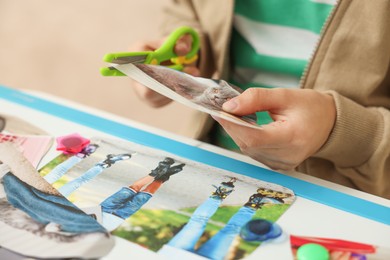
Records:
x=311, y=214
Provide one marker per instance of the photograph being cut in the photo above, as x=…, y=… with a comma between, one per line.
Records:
x=204, y=94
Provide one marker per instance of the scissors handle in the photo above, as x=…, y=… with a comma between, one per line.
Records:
x=167, y=51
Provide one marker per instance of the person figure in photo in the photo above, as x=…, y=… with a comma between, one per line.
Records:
x=45, y=207
x=98, y=168
x=57, y=172
x=189, y=235
x=317, y=77
x=218, y=246
x=128, y=200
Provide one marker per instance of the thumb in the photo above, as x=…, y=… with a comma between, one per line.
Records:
x=254, y=100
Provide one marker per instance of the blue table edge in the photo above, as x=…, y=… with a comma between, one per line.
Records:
x=301, y=188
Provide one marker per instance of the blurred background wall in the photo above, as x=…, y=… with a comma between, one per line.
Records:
x=57, y=47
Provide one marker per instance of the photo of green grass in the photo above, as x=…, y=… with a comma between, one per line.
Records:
x=154, y=228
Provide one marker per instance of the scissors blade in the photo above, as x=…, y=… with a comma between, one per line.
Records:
x=110, y=71
x=129, y=59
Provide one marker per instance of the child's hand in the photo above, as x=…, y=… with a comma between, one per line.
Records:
x=182, y=47
x=303, y=121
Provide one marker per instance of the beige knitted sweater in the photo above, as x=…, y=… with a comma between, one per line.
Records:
x=351, y=62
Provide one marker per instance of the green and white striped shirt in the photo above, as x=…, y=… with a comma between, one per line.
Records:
x=272, y=41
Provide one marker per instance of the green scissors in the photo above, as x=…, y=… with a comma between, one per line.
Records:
x=164, y=53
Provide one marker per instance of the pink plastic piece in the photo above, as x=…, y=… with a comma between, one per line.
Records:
x=71, y=144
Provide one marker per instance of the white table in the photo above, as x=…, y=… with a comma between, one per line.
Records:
x=305, y=217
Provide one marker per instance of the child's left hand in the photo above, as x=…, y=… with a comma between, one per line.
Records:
x=303, y=121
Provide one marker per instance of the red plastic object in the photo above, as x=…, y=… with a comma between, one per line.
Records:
x=333, y=244
x=71, y=144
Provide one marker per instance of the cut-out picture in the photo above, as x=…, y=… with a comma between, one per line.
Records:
x=206, y=95
x=168, y=204
x=33, y=147
x=37, y=221
x=15, y=125
x=219, y=245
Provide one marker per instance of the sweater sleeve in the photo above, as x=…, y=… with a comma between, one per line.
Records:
x=359, y=144
x=179, y=13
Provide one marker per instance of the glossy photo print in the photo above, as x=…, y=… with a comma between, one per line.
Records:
x=32, y=147
x=168, y=204
x=203, y=94
x=37, y=221
x=10, y=124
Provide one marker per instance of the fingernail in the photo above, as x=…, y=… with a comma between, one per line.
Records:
x=230, y=105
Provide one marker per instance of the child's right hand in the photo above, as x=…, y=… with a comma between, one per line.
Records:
x=182, y=47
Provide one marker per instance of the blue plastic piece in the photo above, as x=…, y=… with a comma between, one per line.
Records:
x=260, y=230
